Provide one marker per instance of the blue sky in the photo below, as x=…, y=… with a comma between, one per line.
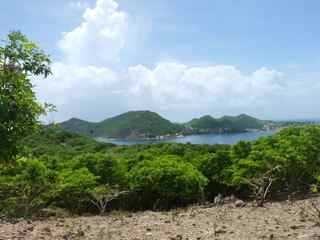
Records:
x=277, y=39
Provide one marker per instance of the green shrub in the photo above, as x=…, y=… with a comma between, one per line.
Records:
x=167, y=178
x=212, y=166
x=26, y=192
x=105, y=166
x=72, y=189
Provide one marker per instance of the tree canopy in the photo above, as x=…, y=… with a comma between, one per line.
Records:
x=20, y=59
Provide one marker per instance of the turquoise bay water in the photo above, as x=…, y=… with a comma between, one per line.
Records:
x=198, y=138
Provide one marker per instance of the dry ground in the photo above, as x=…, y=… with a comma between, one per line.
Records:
x=280, y=220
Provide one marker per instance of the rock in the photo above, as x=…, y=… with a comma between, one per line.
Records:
x=239, y=203
x=295, y=227
x=47, y=229
x=179, y=237
x=219, y=231
x=30, y=228
x=218, y=200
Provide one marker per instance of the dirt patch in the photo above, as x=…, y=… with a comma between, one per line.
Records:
x=280, y=220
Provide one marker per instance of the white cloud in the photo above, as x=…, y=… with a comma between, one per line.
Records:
x=100, y=37
x=173, y=86
x=169, y=88
x=78, y=5
x=87, y=85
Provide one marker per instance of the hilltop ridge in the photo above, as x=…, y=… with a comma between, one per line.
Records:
x=147, y=124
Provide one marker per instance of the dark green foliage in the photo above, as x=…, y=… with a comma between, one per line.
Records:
x=24, y=188
x=207, y=124
x=212, y=165
x=72, y=189
x=294, y=152
x=80, y=126
x=19, y=109
x=103, y=165
x=62, y=169
x=135, y=124
x=146, y=124
x=167, y=178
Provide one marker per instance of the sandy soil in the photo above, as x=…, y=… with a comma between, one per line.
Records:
x=280, y=220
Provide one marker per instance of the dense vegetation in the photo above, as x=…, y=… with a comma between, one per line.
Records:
x=225, y=124
x=59, y=169
x=19, y=109
x=146, y=124
x=134, y=124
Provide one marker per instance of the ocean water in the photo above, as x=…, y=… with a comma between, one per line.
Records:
x=197, y=138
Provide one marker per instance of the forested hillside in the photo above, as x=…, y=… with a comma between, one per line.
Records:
x=208, y=124
x=146, y=124
x=134, y=124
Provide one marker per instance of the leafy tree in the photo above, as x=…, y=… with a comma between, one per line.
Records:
x=212, y=166
x=19, y=110
x=105, y=166
x=167, y=178
x=73, y=189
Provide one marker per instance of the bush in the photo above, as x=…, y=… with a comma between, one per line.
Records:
x=65, y=170
x=72, y=189
x=26, y=192
x=105, y=166
x=212, y=165
x=167, y=179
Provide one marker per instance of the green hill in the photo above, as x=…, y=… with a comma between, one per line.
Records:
x=80, y=126
x=134, y=124
x=239, y=123
x=146, y=124
x=138, y=124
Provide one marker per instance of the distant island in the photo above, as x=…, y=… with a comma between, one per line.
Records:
x=150, y=125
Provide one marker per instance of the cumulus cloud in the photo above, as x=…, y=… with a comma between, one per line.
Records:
x=169, y=88
x=87, y=85
x=100, y=37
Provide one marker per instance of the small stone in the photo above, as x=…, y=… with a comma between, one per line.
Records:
x=295, y=227
x=80, y=233
x=218, y=200
x=239, y=203
x=30, y=228
x=179, y=237
x=47, y=229
x=219, y=231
